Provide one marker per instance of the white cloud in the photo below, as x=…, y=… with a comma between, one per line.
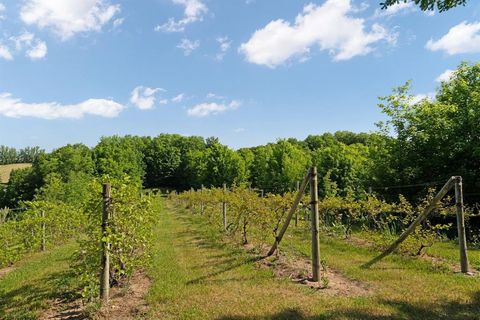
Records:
x=188, y=46
x=212, y=95
x=329, y=26
x=445, y=76
x=143, y=97
x=68, y=17
x=34, y=48
x=118, y=22
x=398, y=8
x=15, y=108
x=2, y=10
x=193, y=12
x=225, y=44
x=239, y=130
x=38, y=51
x=430, y=96
x=179, y=98
x=207, y=109
x=462, y=38
x=5, y=53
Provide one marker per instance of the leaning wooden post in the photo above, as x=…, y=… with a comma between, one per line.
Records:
x=296, y=212
x=224, y=207
x=315, y=225
x=105, y=260
x=462, y=239
x=42, y=215
x=420, y=219
x=299, y=196
x=201, y=201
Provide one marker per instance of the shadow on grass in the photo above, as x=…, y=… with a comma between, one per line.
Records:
x=225, y=268
x=205, y=238
x=451, y=310
x=27, y=301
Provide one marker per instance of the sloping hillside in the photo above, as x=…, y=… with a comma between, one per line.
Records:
x=6, y=169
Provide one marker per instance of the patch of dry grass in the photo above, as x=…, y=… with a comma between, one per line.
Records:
x=6, y=169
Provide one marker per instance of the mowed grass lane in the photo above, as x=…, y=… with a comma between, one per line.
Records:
x=29, y=289
x=197, y=276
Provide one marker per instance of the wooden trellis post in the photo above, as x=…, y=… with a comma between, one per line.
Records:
x=315, y=225
x=452, y=182
x=462, y=239
x=224, y=207
x=42, y=215
x=296, y=211
x=201, y=201
x=105, y=259
x=299, y=196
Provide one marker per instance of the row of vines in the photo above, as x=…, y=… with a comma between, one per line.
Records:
x=47, y=222
x=251, y=216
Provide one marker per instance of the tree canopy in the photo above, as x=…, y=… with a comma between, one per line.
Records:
x=441, y=5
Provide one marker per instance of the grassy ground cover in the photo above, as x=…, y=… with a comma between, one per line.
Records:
x=28, y=290
x=198, y=276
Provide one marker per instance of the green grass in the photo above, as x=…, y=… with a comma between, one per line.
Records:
x=37, y=280
x=197, y=276
x=411, y=287
x=448, y=250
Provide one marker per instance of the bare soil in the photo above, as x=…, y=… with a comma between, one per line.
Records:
x=65, y=310
x=128, y=303
x=125, y=303
x=299, y=270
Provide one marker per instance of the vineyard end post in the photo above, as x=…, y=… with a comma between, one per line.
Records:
x=105, y=259
x=315, y=225
x=224, y=207
x=296, y=211
x=42, y=215
x=462, y=239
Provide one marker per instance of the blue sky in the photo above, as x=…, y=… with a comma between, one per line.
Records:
x=246, y=71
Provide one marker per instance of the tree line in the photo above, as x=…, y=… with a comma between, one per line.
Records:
x=420, y=142
x=10, y=155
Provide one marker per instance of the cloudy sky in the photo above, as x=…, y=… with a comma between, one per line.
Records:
x=246, y=71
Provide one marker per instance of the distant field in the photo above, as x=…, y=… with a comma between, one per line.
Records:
x=6, y=169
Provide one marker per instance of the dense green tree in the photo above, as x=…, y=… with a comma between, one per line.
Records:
x=10, y=155
x=320, y=141
x=168, y=164
x=277, y=167
x=222, y=165
x=343, y=168
x=64, y=160
x=29, y=154
x=118, y=156
x=441, y=5
x=437, y=138
x=163, y=159
x=21, y=187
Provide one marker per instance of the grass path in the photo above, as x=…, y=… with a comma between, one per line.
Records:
x=26, y=292
x=196, y=276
